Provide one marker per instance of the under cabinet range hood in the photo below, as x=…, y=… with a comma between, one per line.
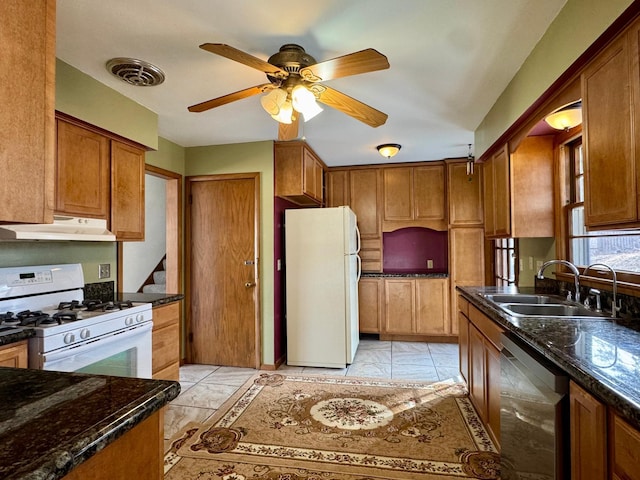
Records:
x=63, y=228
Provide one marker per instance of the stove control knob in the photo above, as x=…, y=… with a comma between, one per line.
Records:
x=140, y=318
x=69, y=338
x=128, y=321
x=85, y=333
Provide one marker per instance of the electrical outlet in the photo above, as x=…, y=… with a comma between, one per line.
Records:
x=104, y=270
x=521, y=265
x=429, y=263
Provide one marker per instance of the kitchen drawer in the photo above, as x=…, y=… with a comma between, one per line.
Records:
x=170, y=372
x=370, y=244
x=166, y=348
x=166, y=314
x=487, y=326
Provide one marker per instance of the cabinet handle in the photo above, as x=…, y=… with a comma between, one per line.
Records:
x=250, y=284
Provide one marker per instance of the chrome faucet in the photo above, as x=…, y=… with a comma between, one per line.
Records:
x=614, y=305
x=572, y=267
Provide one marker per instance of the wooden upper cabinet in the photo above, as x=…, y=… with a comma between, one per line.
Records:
x=27, y=76
x=82, y=172
x=127, y=191
x=415, y=195
x=465, y=195
x=337, y=193
x=610, y=107
x=299, y=173
x=519, y=190
x=365, y=194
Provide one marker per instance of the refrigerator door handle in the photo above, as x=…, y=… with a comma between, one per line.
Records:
x=358, y=241
x=359, y=267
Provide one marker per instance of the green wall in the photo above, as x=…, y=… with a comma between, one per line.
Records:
x=242, y=158
x=169, y=156
x=80, y=96
x=576, y=27
x=537, y=251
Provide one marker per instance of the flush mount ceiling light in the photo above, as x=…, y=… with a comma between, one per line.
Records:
x=135, y=72
x=389, y=149
x=567, y=117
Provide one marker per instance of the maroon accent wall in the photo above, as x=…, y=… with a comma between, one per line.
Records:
x=407, y=250
x=279, y=290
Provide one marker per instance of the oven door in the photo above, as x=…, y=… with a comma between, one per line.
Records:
x=126, y=353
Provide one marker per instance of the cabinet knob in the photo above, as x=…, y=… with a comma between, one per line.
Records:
x=250, y=284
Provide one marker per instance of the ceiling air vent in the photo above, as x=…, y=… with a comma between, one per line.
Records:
x=135, y=72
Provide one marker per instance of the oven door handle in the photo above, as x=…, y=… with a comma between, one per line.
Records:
x=83, y=347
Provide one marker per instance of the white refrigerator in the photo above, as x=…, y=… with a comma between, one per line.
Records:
x=322, y=273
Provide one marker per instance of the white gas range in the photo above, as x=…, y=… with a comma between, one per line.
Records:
x=74, y=334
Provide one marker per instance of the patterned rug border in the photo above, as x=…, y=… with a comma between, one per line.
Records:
x=225, y=416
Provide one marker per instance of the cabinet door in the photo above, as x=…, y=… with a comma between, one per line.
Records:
x=398, y=193
x=466, y=256
x=365, y=193
x=337, y=188
x=370, y=304
x=588, y=435
x=465, y=195
x=501, y=193
x=127, y=191
x=399, y=306
x=14, y=355
x=27, y=76
x=463, y=345
x=610, y=161
x=428, y=192
x=624, y=448
x=82, y=172
x=489, y=198
x=312, y=175
x=432, y=306
x=477, y=373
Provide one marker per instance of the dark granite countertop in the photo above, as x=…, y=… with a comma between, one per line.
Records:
x=51, y=421
x=156, y=299
x=403, y=275
x=600, y=354
x=16, y=336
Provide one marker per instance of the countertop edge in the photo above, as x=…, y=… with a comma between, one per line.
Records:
x=63, y=460
x=598, y=385
x=17, y=336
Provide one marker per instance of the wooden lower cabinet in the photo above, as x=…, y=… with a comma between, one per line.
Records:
x=136, y=454
x=416, y=306
x=14, y=355
x=479, y=343
x=588, y=435
x=370, y=304
x=624, y=449
x=166, y=342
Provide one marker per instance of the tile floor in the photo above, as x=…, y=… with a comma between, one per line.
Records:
x=206, y=387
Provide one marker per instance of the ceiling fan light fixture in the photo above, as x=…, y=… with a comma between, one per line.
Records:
x=567, y=117
x=285, y=115
x=304, y=101
x=389, y=150
x=273, y=101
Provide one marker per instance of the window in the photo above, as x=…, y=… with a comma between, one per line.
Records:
x=505, y=254
x=618, y=248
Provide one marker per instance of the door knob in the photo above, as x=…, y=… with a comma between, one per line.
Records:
x=250, y=284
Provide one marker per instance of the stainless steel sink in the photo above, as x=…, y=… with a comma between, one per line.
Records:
x=519, y=298
x=548, y=310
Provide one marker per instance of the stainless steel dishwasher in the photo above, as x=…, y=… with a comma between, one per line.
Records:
x=534, y=415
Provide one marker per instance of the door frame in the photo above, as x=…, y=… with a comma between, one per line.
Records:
x=190, y=180
x=174, y=236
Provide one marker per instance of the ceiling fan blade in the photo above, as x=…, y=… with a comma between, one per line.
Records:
x=243, y=57
x=364, y=61
x=289, y=131
x=350, y=106
x=231, y=97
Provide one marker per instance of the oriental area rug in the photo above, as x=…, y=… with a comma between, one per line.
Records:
x=303, y=427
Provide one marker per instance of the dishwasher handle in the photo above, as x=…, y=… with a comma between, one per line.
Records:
x=552, y=376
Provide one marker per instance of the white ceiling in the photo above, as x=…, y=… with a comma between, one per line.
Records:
x=450, y=60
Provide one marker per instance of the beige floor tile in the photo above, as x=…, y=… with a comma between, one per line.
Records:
x=195, y=373
x=422, y=373
x=362, y=369
x=205, y=395
x=177, y=416
x=415, y=347
x=372, y=356
x=230, y=376
x=411, y=358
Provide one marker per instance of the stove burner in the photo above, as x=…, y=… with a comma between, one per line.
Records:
x=66, y=315
x=36, y=318
x=8, y=319
x=97, y=305
x=69, y=305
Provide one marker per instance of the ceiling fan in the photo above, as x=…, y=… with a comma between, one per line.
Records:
x=294, y=86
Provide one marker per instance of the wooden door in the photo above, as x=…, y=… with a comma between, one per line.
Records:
x=222, y=257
